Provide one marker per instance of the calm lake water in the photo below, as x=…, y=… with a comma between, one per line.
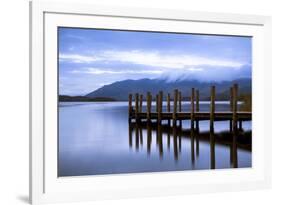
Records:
x=95, y=138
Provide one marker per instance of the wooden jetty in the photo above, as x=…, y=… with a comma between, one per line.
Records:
x=177, y=113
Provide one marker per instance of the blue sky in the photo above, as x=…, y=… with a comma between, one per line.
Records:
x=91, y=58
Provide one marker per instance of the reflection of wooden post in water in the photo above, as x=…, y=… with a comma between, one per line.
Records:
x=137, y=136
x=149, y=138
x=141, y=137
x=175, y=107
x=240, y=125
x=148, y=106
x=180, y=99
x=130, y=135
x=180, y=141
x=136, y=106
x=212, y=149
x=160, y=104
x=130, y=107
x=168, y=140
x=234, y=152
x=175, y=143
x=234, y=126
x=197, y=123
x=159, y=130
x=169, y=106
x=231, y=107
x=212, y=136
x=140, y=109
x=192, y=145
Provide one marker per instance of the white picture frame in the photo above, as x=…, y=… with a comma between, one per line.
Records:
x=46, y=187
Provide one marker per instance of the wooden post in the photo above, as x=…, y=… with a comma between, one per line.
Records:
x=175, y=107
x=156, y=101
x=231, y=107
x=140, y=109
x=130, y=107
x=234, y=107
x=168, y=103
x=136, y=106
x=148, y=105
x=212, y=108
x=192, y=108
x=197, y=108
x=169, y=106
x=160, y=104
x=180, y=101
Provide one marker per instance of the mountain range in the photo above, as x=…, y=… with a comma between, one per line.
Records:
x=121, y=89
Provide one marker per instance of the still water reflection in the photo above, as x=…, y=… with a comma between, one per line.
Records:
x=96, y=138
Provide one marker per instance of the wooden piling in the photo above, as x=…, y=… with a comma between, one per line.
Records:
x=234, y=107
x=148, y=105
x=130, y=103
x=169, y=106
x=156, y=101
x=160, y=104
x=212, y=108
x=175, y=107
x=168, y=103
x=192, y=108
x=140, y=109
x=136, y=106
x=130, y=107
x=180, y=99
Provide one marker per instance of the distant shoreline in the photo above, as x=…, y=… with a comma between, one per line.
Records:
x=66, y=98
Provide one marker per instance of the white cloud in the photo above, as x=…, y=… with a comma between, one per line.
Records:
x=153, y=59
x=77, y=58
x=100, y=71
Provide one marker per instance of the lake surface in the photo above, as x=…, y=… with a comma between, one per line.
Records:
x=95, y=138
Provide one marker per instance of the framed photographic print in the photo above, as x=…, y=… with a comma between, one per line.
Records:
x=129, y=102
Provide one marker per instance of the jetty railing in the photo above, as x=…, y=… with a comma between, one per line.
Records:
x=136, y=112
